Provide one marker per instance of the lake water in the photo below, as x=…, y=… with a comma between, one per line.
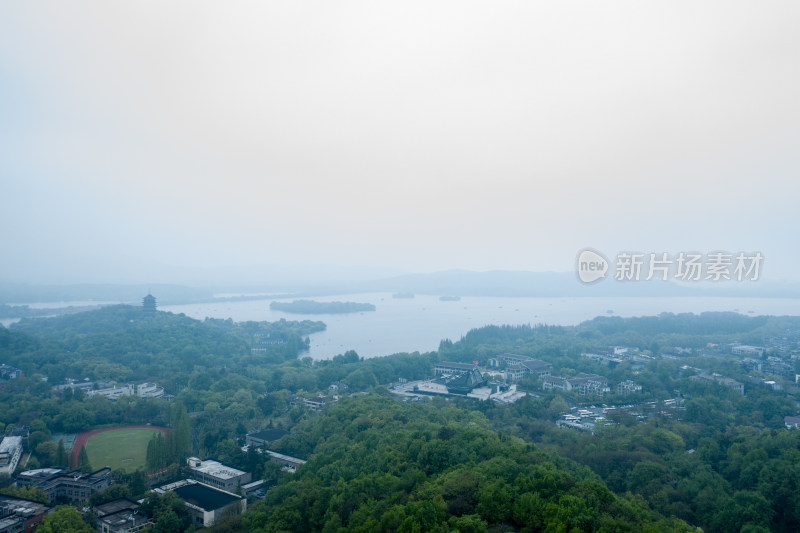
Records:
x=420, y=323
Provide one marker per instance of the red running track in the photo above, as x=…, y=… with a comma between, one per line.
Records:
x=83, y=438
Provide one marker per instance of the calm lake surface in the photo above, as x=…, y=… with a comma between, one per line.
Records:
x=420, y=323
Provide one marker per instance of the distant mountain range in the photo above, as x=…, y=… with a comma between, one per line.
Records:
x=450, y=282
x=557, y=284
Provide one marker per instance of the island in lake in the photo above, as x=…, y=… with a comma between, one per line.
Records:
x=311, y=307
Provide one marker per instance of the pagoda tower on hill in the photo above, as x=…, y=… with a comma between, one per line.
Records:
x=149, y=305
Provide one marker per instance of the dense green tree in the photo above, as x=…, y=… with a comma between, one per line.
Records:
x=64, y=520
x=29, y=493
x=157, y=455
x=83, y=460
x=61, y=458
x=113, y=492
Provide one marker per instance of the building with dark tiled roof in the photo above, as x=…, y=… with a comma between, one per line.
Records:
x=149, y=305
x=791, y=422
x=206, y=504
x=520, y=366
x=556, y=382
x=450, y=368
x=18, y=515
x=722, y=380
x=464, y=383
x=60, y=485
x=587, y=384
x=265, y=437
x=120, y=516
x=584, y=384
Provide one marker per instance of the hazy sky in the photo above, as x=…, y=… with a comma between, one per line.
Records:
x=143, y=140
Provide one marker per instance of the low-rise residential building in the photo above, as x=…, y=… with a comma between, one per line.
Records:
x=60, y=485
x=113, y=393
x=791, y=422
x=518, y=367
x=557, y=383
x=778, y=367
x=290, y=463
x=120, y=516
x=206, y=504
x=143, y=390
x=587, y=384
x=584, y=384
x=603, y=359
x=507, y=359
x=743, y=349
x=10, y=454
x=149, y=390
x=74, y=385
x=538, y=368
x=628, y=387
x=265, y=344
x=320, y=403
x=722, y=380
x=515, y=373
x=449, y=368
x=265, y=437
x=8, y=372
x=18, y=515
x=750, y=364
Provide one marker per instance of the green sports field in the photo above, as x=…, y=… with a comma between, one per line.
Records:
x=120, y=449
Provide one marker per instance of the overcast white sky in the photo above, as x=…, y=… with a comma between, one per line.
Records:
x=140, y=140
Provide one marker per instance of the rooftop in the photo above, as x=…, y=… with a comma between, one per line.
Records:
x=9, y=443
x=218, y=470
x=200, y=495
x=514, y=357
x=287, y=458
x=41, y=473
x=125, y=517
x=269, y=434
x=536, y=364
x=23, y=507
x=115, y=506
x=465, y=366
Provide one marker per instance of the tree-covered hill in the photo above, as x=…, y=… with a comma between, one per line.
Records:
x=380, y=465
x=646, y=333
x=120, y=342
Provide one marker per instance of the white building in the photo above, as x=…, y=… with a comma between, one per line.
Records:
x=744, y=349
x=149, y=390
x=628, y=387
x=10, y=453
x=113, y=393
x=217, y=475
x=144, y=390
